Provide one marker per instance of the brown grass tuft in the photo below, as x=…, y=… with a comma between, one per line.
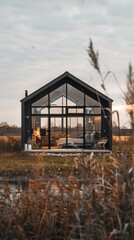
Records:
x=97, y=203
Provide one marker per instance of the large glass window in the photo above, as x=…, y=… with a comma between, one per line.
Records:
x=60, y=121
x=58, y=96
x=57, y=110
x=39, y=132
x=75, y=110
x=75, y=127
x=57, y=129
x=74, y=96
x=91, y=102
x=93, y=110
x=92, y=129
x=39, y=110
x=41, y=102
x=44, y=110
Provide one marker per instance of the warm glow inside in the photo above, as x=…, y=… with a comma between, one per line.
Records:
x=123, y=107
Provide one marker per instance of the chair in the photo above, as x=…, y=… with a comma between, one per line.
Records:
x=101, y=143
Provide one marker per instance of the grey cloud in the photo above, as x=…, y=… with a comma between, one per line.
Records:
x=122, y=9
x=60, y=31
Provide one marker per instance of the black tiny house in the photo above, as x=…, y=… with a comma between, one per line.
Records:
x=66, y=113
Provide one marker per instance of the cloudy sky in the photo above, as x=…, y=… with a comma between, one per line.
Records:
x=41, y=39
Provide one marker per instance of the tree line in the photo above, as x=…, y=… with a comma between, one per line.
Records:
x=9, y=130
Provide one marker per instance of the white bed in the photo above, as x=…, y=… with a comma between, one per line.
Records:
x=77, y=142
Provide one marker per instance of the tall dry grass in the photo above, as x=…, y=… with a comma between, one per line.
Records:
x=96, y=204
x=10, y=143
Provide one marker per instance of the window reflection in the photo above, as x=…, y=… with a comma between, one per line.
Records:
x=58, y=121
x=75, y=97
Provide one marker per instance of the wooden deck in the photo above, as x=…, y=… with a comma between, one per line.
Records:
x=68, y=151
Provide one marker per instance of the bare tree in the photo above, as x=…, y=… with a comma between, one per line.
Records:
x=129, y=94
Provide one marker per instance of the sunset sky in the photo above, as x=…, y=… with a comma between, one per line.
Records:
x=41, y=39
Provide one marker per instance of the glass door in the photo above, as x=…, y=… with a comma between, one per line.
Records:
x=58, y=132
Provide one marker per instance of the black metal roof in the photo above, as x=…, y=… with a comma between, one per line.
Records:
x=66, y=78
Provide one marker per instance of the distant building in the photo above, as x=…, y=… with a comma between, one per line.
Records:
x=66, y=113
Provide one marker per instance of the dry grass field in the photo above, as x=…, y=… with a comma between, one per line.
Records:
x=69, y=197
x=10, y=143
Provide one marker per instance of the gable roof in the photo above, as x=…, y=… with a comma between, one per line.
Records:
x=66, y=78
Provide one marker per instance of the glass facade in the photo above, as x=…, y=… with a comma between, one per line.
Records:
x=65, y=118
x=66, y=113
